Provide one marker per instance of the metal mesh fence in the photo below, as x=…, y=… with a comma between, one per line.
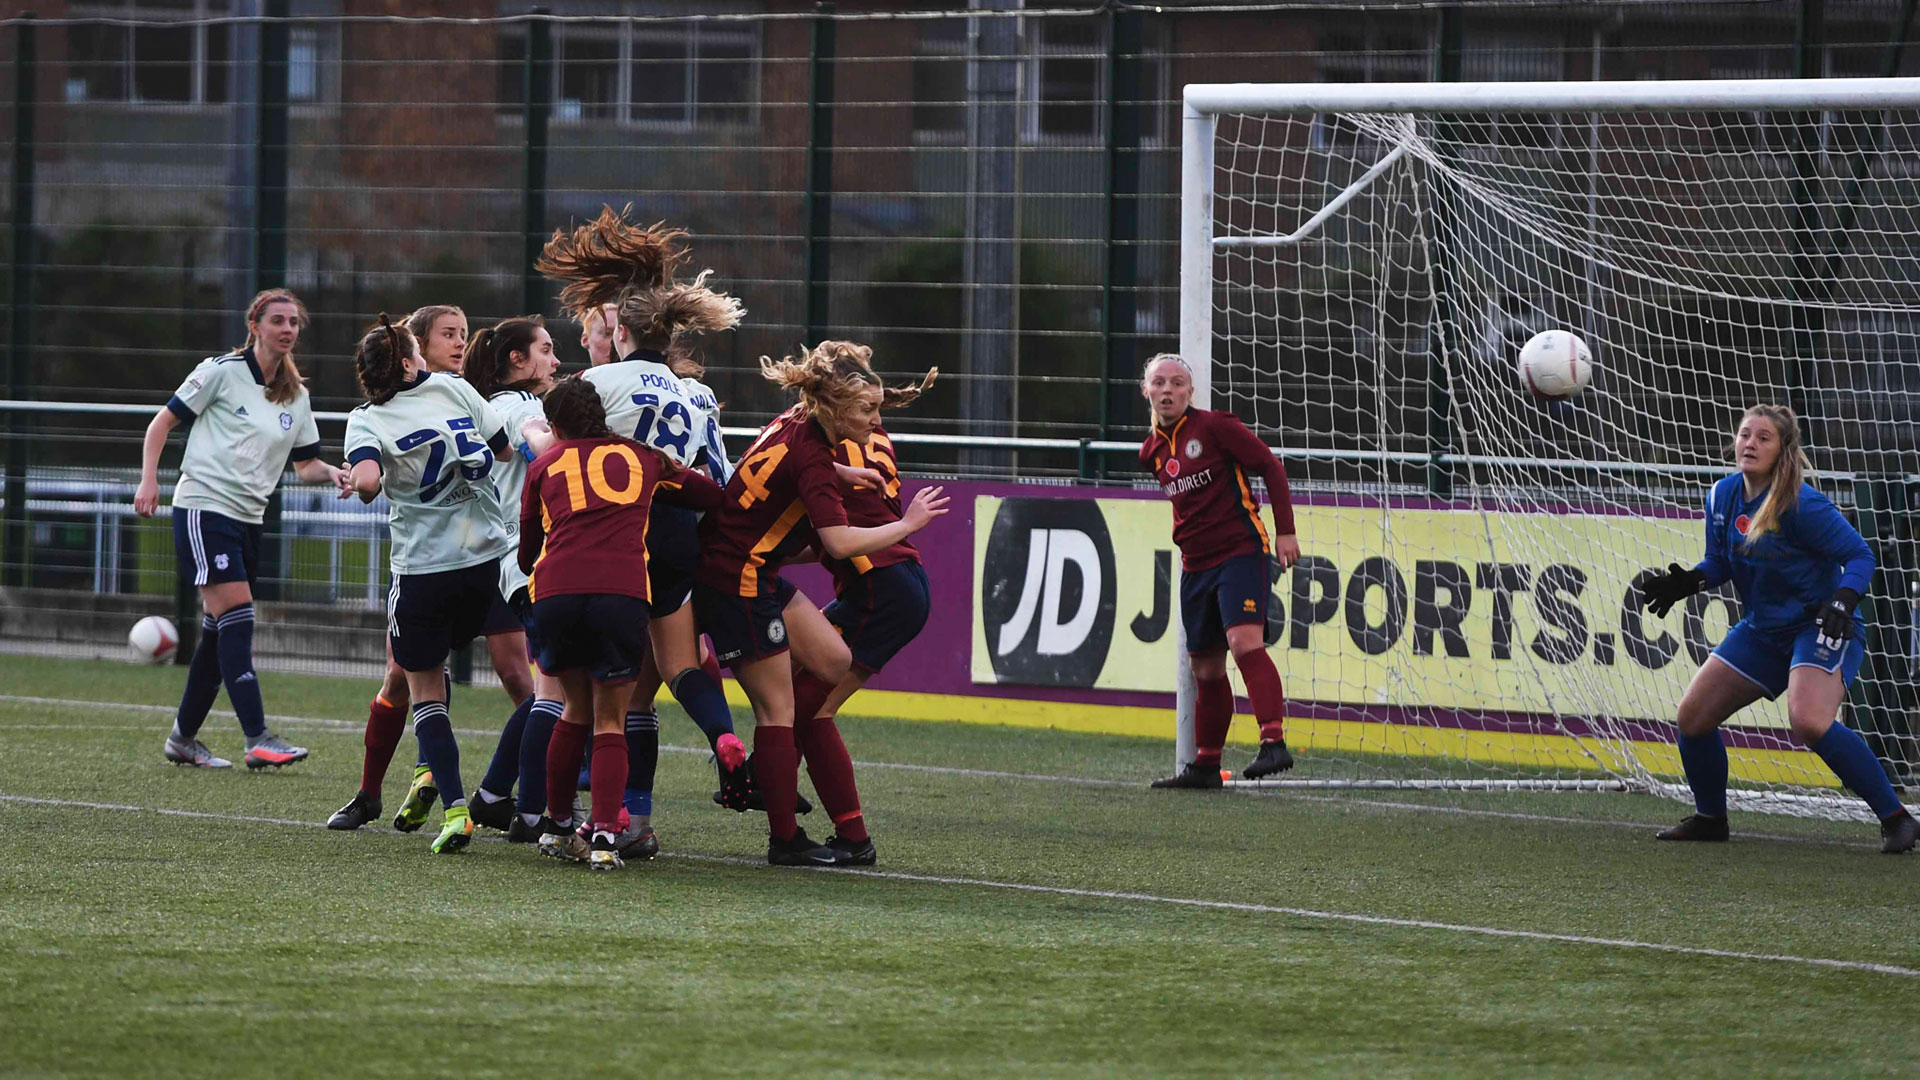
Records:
x=991, y=191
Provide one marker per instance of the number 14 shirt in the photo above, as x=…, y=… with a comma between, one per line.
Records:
x=783, y=489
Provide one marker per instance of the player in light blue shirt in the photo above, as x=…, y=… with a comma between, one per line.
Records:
x=1800, y=570
x=248, y=415
x=429, y=441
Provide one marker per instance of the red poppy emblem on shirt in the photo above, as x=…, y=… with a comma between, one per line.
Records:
x=1740, y=524
x=1173, y=468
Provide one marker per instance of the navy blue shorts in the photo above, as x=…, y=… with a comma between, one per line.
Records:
x=1768, y=657
x=429, y=615
x=1232, y=593
x=673, y=557
x=211, y=548
x=604, y=633
x=501, y=618
x=743, y=628
x=880, y=611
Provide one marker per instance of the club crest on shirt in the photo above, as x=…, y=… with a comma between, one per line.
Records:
x=1173, y=467
x=1193, y=448
x=286, y=421
x=1741, y=523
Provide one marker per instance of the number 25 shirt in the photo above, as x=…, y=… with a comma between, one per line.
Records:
x=436, y=441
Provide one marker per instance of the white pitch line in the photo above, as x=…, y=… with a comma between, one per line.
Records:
x=1133, y=897
x=994, y=774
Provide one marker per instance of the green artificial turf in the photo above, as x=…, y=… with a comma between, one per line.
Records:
x=135, y=943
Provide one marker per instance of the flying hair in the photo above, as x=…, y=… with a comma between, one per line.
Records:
x=1789, y=471
x=830, y=377
x=670, y=310
x=608, y=257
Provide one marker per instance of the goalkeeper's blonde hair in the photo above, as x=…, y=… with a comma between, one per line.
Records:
x=1789, y=470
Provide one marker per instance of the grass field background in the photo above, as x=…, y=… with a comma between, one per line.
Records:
x=1036, y=910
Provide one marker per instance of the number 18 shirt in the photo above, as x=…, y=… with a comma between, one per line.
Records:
x=783, y=489
x=647, y=402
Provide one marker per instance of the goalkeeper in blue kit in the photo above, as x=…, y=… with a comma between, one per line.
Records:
x=1800, y=570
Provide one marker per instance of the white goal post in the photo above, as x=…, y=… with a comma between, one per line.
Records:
x=1358, y=266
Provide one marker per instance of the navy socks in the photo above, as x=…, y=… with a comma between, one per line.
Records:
x=203, y=683
x=643, y=759
x=236, y=670
x=704, y=701
x=504, y=769
x=541, y=717
x=434, y=728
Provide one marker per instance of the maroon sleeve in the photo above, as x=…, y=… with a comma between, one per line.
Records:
x=1247, y=449
x=532, y=536
x=690, y=488
x=819, y=484
x=1146, y=453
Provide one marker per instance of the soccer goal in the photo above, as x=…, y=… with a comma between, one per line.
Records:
x=1360, y=265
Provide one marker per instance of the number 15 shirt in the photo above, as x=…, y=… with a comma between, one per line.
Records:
x=783, y=489
x=435, y=441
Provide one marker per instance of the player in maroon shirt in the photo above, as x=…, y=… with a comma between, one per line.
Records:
x=1203, y=461
x=783, y=498
x=880, y=604
x=583, y=540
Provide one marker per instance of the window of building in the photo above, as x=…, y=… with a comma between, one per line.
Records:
x=639, y=73
x=185, y=64
x=1063, y=81
x=1067, y=72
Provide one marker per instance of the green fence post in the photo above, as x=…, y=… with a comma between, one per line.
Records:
x=270, y=233
x=20, y=316
x=537, y=111
x=816, y=272
x=1119, y=306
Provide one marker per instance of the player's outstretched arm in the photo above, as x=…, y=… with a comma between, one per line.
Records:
x=849, y=541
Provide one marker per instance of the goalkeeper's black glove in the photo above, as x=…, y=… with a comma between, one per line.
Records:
x=1663, y=590
x=1835, y=618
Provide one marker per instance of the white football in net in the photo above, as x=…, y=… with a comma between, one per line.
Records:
x=1555, y=364
x=152, y=640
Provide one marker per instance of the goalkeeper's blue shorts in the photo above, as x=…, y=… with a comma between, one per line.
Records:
x=1766, y=657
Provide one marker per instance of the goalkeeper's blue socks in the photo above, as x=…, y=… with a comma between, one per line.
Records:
x=643, y=759
x=1704, y=757
x=203, y=683
x=1852, y=760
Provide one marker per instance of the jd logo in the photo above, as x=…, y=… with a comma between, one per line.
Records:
x=1047, y=591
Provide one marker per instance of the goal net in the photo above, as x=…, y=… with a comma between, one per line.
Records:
x=1360, y=267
